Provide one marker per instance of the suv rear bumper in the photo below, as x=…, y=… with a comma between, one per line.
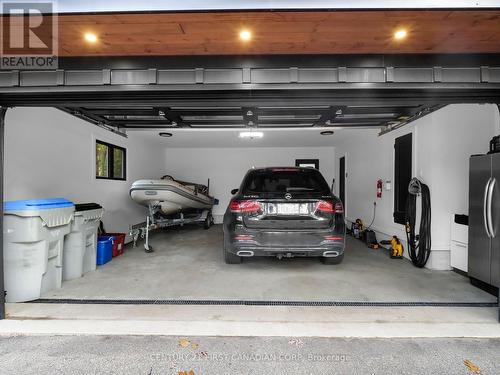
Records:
x=319, y=243
x=333, y=251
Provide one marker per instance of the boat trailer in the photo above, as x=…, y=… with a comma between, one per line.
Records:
x=155, y=220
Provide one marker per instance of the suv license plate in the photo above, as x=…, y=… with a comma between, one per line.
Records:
x=292, y=209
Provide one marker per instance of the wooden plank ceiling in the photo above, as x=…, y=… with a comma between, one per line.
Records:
x=217, y=33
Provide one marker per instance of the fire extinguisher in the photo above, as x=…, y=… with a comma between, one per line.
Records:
x=379, y=189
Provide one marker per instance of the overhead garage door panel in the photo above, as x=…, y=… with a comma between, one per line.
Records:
x=133, y=77
x=41, y=78
x=413, y=75
x=494, y=74
x=461, y=75
x=365, y=75
x=87, y=77
x=177, y=76
x=318, y=75
x=9, y=79
x=270, y=76
x=223, y=76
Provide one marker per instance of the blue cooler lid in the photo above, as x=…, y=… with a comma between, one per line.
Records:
x=105, y=239
x=37, y=204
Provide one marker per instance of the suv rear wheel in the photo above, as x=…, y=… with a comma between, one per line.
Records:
x=333, y=260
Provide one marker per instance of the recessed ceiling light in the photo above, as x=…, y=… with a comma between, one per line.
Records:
x=251, y=135
x=167, y=135
x=327, y=132
x=400, y=34
x=90, y=37
x=245, y=35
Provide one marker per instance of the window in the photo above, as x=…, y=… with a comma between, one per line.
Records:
x=311, y=163
x=110, y=161
x=402, y=175
x=283, y=180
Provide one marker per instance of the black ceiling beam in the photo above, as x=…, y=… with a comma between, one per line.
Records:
x=229, y=122
x=328, y=115
x=88, y=115
x=297, y=110
x=381, y=109
x=284, y=126
x=312, y=112
x=358, y=95
x=417, y=115
x=123, y=112
x=213, y=111
x=214, y=122
x=279, y=110
x=173, y=117
x=125, y=123
x=230, y=126
x=341, y=120
x=97, y=120
x=145, y=127
x=250, y=116
x=354, y=123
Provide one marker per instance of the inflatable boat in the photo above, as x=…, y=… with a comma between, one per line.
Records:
x=171, y=196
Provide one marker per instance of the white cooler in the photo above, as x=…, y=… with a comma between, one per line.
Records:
x=33, y=240
x=80, y=245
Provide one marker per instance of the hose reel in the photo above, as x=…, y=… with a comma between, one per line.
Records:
x=419, y=245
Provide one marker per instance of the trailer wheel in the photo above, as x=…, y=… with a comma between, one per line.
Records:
x=208, y=221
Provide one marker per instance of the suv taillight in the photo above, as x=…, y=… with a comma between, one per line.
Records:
x=325, y=206
x=244, y=206
x=329, y=207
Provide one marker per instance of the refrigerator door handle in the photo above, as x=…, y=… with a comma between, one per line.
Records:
x=485, y=209
x=489, y=207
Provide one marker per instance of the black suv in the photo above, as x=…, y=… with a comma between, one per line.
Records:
x=284, y=212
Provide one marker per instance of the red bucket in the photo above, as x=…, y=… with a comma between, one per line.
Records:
x=118, y=243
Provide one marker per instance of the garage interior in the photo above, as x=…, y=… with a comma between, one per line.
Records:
x=178, y=100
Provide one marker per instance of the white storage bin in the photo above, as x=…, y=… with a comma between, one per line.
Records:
x=459, y=245
x=459, y=255
x=33, y=243
x=80, y=245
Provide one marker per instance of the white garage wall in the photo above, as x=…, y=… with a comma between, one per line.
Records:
x=226, y=166
x=442, y=145
x=49, y=153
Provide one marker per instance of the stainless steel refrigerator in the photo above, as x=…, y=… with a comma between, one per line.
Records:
x=484, y=219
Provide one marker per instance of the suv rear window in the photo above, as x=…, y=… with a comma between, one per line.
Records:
x=282, y=180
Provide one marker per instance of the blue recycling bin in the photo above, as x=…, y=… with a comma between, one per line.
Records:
x=104, y=249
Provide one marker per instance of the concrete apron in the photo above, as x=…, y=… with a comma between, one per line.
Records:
x=173, y=320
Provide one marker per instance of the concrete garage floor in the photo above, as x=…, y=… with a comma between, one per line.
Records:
x=187, y=264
